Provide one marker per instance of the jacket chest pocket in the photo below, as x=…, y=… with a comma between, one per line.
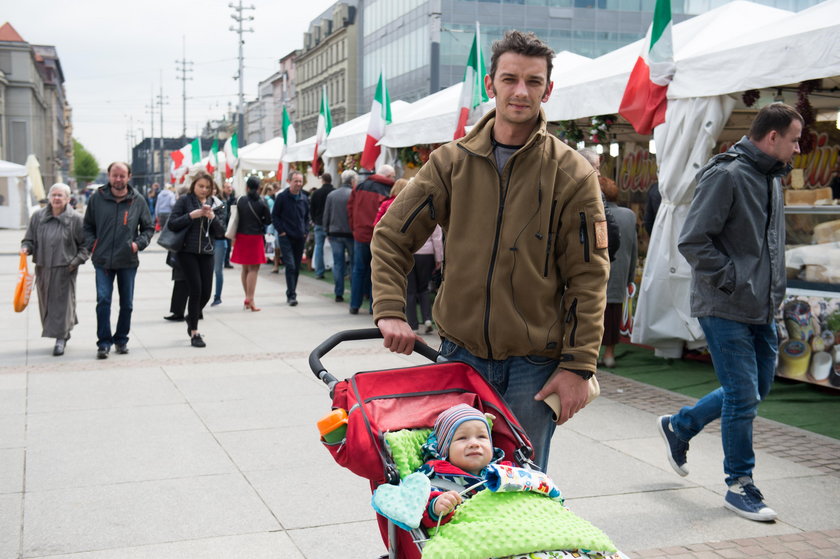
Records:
x=592, y=230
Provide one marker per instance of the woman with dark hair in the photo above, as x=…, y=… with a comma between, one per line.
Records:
x=194, y=211
x=249, y=244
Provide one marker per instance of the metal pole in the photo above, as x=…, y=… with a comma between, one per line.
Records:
x=434, y=35
x=161, y=100
x=184, y=68
x=239, y=18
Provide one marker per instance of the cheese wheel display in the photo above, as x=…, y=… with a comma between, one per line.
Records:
x=821, y=365
x=794, y=358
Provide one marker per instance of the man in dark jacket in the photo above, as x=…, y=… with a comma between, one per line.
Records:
x=290, y=217
x=118, y=225
x=361, y=212
x=338, y=229
x=317, y=202
x=734, y=239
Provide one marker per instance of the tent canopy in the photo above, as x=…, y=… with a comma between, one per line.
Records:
x=596, y=88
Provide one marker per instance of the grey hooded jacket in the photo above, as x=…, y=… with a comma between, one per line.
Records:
x=734, y=236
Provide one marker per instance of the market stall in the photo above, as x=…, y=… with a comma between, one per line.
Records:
x=15, y=196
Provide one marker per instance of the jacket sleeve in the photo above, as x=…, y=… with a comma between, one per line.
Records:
x=277, y=215
x=613, y=232
x=583, y=263
x=89, y=224
x=82, y=252
x=395, y=240
x=179, y=218
x=30, y=238
x=706, y=218
x=327, y=217
x=430, y=519
x=147, y=227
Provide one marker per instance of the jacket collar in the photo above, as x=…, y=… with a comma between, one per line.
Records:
x=480, y=139
x=380, y=179
x=765, y=164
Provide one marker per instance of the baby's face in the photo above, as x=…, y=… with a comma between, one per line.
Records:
x=471, y=448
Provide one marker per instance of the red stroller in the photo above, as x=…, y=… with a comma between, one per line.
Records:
x=380, y=404
x=389, y=400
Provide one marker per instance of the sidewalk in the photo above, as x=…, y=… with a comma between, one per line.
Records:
x=177, y=452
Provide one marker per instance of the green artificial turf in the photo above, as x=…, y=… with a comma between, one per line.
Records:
x=800, y=404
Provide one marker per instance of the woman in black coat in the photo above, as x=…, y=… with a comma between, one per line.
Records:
x=194, y=211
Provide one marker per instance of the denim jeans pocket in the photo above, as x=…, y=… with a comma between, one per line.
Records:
x=447, y=348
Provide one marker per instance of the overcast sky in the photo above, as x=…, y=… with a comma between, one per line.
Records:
x=114, y=52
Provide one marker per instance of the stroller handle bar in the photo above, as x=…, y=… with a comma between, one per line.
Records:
x=351, y=335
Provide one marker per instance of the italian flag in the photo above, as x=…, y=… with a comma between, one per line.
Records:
x=213, y=160
x=289, y=138
x=472, y=92
x=231, y=155
x=190, y=153
x=380, y=116
x=645, y=97
x=324, y=128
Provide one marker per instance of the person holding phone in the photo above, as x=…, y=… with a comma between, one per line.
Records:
x=194, y=211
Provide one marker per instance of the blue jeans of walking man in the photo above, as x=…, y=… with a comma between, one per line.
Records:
x=360, y=284
x=318, y=253
x=104, y=292
x=219, y=247
x=340, y=246
x=744, y=356
x=517, y=379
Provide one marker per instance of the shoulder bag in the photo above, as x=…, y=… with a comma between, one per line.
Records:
x=172, y=240
x=233, y=222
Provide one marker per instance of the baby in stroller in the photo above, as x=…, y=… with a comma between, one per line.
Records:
x=462, y=463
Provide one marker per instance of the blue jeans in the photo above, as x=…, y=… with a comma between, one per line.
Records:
x=744, y=356
x=517, y=379
x=219, y=247
x=318, y=254
x=104, y=292
x=292, y=249
x=360, y=280
x=339, y=246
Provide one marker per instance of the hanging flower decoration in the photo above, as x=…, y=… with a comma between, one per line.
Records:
x=409, y=157
x=569, y=132
x=750, y=97
x=599, y=130
x=349, y=163
x=803, y=105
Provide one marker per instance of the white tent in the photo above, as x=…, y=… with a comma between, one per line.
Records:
x=15, y=196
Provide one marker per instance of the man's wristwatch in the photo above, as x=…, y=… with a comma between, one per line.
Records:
x=585, y=375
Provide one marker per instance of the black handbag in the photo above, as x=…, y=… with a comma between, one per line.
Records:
x=172, y=240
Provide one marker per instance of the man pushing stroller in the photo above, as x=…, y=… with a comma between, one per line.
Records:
x=526, y=265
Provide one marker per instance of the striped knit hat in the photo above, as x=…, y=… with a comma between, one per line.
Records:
x=449, y=420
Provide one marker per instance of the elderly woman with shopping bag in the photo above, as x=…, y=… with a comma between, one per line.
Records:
x=55, y=240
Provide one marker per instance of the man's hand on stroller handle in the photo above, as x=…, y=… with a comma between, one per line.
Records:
x=572, y=389
x=397, y=335
x=446, y=503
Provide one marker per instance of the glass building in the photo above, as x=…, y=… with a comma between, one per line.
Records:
x=396, y=34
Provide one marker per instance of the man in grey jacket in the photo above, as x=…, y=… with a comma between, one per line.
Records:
x=337, y=227
x=117, y=225
x=734, y=239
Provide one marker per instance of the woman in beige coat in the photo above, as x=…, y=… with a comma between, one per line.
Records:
x=55, y=240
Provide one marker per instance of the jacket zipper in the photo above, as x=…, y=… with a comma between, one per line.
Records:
x=427, y=202
x=502, y=195
x=572, y=318
x=584, y=237
x=550, y=236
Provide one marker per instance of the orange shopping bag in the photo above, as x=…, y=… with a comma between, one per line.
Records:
x=24, y=284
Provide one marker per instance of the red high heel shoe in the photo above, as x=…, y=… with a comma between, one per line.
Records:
x=253, y=307
x=246, y=305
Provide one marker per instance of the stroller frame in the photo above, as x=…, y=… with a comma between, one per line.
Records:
x=371, y=399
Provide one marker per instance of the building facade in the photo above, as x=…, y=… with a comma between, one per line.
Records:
x=285, y=90
x=34, y=112
x=396, y=34
x=328, y=62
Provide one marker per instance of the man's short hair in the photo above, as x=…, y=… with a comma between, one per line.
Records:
x=326, y=178
x=123, y=163
x=293, y=173
x=349, y=177
x=775, y=116
x=526, y=44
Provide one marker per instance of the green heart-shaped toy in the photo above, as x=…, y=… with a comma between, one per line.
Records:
x=403, y=504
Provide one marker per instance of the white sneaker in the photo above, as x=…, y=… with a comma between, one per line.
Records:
x=428, y=327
